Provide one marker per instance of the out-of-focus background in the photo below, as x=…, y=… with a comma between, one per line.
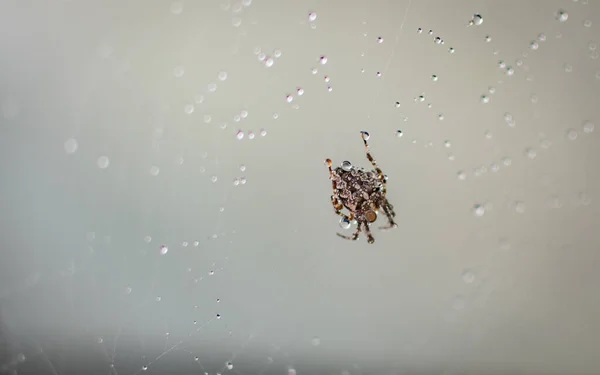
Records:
x=166, y=209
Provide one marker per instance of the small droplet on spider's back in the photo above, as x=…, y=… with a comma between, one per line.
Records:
x=346, y=165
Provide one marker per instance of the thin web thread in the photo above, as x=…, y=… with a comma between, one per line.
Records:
x=391, y=58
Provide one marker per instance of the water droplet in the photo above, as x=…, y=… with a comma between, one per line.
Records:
x=461, y=175
x=277, y=53
x=379, y=40
x=71, y=145
x=592, y=46
x=178, y=71
x=488, y=135
x=269, y=62
x=218, y=316
x=312, y=16
x=437, y=40
x=144, y=368
x=300, y=91
x=239, y=135
x=447, y=144
x=250, y=135
x=236, y=21
x=588, y=127
x=314, y=71
x=211, y=87
x=345, y=223
x=164, y=250
x=468, y=276
x=214, y=178
x=419, y=30
x=222, y=76
x=478, y=210
x=346, y=165
x=329, y=88
x=128, y=290
x=572, y=134
x=587, y=23
x=451, y=50
x=568, y=68
x=154, y=170
x=365, y=135
x=441, y=116
x=477, y=19
x=501, y=64
x=488, y=39
x=103, y=162
x=531, y=153
x=534, y=45
x=263, y=132
x=323, y=60
x=562, y=15
x=508, y=118
x=399, y=133
x=485, y=99
x=510, y=71
x=316, y=341
x=243, y=180
x=434, y=78
x=506, y=161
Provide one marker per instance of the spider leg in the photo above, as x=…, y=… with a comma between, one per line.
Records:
x=365, y=136
x=354, y=236
x=389, y=212
x=370, y=238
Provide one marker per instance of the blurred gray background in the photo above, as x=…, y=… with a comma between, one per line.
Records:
x=165, y=206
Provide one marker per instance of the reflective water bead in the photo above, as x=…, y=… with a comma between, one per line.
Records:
x=70, y=145
x=468, y=276
x=346, y=165
x=323, y=60
x=103, y=162
x=345, y=223
x=312, y=16
x=562, y=15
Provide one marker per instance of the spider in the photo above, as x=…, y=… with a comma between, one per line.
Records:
x=362, y=193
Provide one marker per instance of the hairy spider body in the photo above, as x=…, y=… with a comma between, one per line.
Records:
x=362, y=193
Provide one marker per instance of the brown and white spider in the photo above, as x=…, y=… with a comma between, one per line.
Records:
x=362, y=193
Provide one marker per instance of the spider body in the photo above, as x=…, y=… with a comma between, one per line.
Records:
x=362, y=193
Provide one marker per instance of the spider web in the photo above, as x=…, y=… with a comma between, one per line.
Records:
x=189, y=185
